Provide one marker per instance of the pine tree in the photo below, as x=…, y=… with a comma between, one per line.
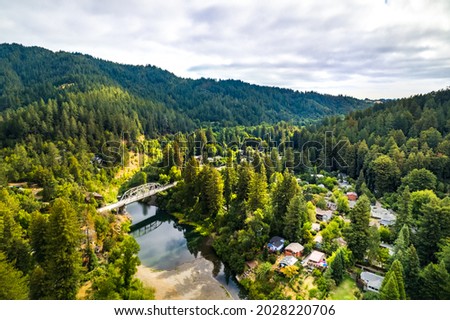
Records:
x=337, y=267
x=404, y=210
x=389, y=288
x=13, y=283
x=258, y=197
x=434, y=225
x=191, y=188
x=402, y=243
x=397, y=270
x=211, y=192
x=435, y=282
x=229, y=182
x=358, y=232
x=63, y=261
x=38, y=229
x=282, y=194
x=295, y=218
x=411, y=268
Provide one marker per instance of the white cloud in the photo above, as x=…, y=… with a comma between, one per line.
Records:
x=360, y=48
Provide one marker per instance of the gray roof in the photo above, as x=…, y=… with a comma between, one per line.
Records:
x=371, y=279
x=316, y=256
x=294, y=247
x=289, y=261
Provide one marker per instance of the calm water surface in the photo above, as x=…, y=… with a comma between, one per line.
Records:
x=165, y=244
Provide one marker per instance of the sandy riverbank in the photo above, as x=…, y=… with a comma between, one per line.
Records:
x=190, y=281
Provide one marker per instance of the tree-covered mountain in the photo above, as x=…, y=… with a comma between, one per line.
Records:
x=29, y=74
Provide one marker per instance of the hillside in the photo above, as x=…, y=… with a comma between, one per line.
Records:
x=29, y=74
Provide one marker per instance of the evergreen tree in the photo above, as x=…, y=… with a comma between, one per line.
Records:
x=229, y=182
x=63, y=261
x=282, y=194
x=389, y=288
x=14, y=284
x=397, y=270
x=402, y=243
x=404, y=210
x=258, y=197
x=435, y=282
x=295, y=218
x=357, y=233
x=191, y=188
x=211, y=192
x=337, y=267
x=412, y=272
x=38, y=229
x=434, y=225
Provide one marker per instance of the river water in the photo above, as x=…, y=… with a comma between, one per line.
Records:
x=166, y=244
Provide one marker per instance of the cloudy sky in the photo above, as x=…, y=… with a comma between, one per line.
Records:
x=362, y=48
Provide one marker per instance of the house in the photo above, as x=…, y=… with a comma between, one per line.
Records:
x=294, y=249
x=351, y=204
x=331, y=206
x=315, y=227
x=352, y=196
x=288, y=261
x=318, y=239
x=316, y=259
x=93, y=195
x=276, y=244
x=323, y=215
x=371, y=281
x=344, y=185
x=386, y=217
x=389, y=247
x=251, y=264
x=341, y=242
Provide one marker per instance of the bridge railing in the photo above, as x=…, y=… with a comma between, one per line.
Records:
x=136, y=194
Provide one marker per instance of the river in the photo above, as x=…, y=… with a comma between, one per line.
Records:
x=168, y=245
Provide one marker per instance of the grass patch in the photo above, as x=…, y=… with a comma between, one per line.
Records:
x=347, y=290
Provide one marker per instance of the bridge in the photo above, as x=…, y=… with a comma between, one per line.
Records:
x=136, y=194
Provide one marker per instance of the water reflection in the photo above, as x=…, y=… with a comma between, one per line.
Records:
x=166, y=244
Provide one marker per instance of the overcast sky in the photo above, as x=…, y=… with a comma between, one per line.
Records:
x=366, y=48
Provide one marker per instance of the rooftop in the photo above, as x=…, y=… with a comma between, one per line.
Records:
x=288, y=261
x=371, y=279
x=295, y=247
x=316, y=256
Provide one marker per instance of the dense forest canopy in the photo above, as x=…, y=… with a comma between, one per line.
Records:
x=29, y=74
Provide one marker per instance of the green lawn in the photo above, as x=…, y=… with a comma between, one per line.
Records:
x=345, y=291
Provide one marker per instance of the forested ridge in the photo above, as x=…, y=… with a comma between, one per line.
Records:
x=243, y=178
x=29, y=74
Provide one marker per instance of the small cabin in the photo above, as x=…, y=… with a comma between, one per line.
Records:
x=288, y=261
x=352, y=196
x=294, y=249
x=276, y=244
x=323, y=215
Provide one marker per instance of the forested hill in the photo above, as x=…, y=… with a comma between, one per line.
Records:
x=29, y=74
